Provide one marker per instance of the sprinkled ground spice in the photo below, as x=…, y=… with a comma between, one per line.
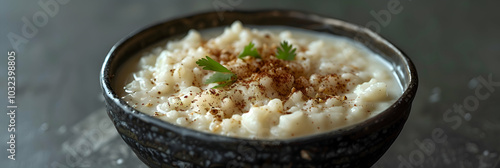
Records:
x=330, y=83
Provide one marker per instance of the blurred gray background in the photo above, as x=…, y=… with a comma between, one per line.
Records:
x=61, y=121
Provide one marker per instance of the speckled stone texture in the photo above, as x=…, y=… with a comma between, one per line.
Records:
x=158, y=147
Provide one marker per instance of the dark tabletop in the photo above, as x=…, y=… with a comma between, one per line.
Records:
x=61, y=122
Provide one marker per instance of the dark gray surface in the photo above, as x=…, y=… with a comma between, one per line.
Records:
x=61, y=121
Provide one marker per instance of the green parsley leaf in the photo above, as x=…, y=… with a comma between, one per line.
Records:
x=223, y=79
x=222, y=75
x=209, y=64
x=285, y=52
x=249, y=50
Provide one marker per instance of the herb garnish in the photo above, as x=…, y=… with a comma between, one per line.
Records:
x=249, y=50
x=285, y=52
x=222, y=76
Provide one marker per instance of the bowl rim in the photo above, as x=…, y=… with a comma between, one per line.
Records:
x=408, y=93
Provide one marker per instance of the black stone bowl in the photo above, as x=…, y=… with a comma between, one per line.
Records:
x=161, y=144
